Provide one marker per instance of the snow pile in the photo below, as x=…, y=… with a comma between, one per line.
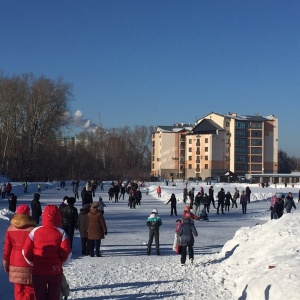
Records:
x=263, y=262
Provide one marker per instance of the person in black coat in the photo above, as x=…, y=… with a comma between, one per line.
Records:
x=12, y=202
x=221, y=199
x=88, y=198
x=228, y=197
x=187, y=231
x=173, y=204
x=289, y=203
x=211, y=196
x=69, y=216
x=36, y=208
x=279, y=207
x=248, y=193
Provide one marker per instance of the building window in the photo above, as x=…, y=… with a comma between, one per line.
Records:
x=227, y=124
x=206, y=166
x=190, y=158
x=257, y=159
x=206, y=149
x=256, y=150
x=241, y=159
x=256, y=125
x=257, y=168
x=257, y=142
x=190, y=149
x=206, y=140
x=189, y=166
x=190, y=141
x=256, y=133
x=206, y=157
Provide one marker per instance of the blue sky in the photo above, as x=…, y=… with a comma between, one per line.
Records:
x=142, y=62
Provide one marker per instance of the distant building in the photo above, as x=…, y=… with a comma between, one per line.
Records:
x=217, y=143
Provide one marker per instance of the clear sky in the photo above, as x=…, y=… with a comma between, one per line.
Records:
x=156, y=62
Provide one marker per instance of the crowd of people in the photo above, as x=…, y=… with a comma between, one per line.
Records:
x=34, y=254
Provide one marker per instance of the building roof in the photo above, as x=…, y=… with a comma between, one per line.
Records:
x=255, y=118
x=175, y=128
x=206, y=126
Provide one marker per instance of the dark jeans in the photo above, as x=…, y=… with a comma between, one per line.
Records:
x=244, y=207
x=85, y=246
x=184, y=251
x=220, y=204
x=173, y=210
x=95, y=244
x=153, y=234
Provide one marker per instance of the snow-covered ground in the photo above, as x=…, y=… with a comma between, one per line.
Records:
x=236, y=256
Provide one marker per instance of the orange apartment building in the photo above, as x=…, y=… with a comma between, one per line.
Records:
x=216, y=144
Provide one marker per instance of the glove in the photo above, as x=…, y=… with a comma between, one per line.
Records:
x=6, y=267
x=105, y=233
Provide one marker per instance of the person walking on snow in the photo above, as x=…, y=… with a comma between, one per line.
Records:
x=173, y=204
x=187, y=232
x=244, y=202
x=221, y=199
x=36, y=208
x=289, y=203
x=211, y=198
x=158, y=190
x=20, y=272
x=235, y=197
x=47, y=248
x=153, y=222
x=96, y=228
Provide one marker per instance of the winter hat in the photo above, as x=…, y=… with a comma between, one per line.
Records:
x=187, y=208
x=23, y=209
x=71, y=200
x=51, y=216
x=36, y=196
x=95, y=205
x=154, y=211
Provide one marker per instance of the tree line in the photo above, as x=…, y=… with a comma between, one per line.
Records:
x=33, y=117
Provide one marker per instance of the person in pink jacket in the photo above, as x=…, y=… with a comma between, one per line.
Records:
x=47, y=248
x=20, y=272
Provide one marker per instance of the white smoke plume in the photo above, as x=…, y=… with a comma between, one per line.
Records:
x=77, y=121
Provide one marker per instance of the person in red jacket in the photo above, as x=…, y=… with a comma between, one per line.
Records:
x=13, y=261
x=47, y=248
x=187, y=211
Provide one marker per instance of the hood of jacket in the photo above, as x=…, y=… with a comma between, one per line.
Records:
x=22, y=221
x=36, y=197
x=85, y=209
x=94, y=210
x=51, y=216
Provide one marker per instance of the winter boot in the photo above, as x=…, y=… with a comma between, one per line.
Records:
x=92, y=253
x=148, y=251
x=157, y=252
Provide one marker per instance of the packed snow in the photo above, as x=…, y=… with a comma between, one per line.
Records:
x=237, y=256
